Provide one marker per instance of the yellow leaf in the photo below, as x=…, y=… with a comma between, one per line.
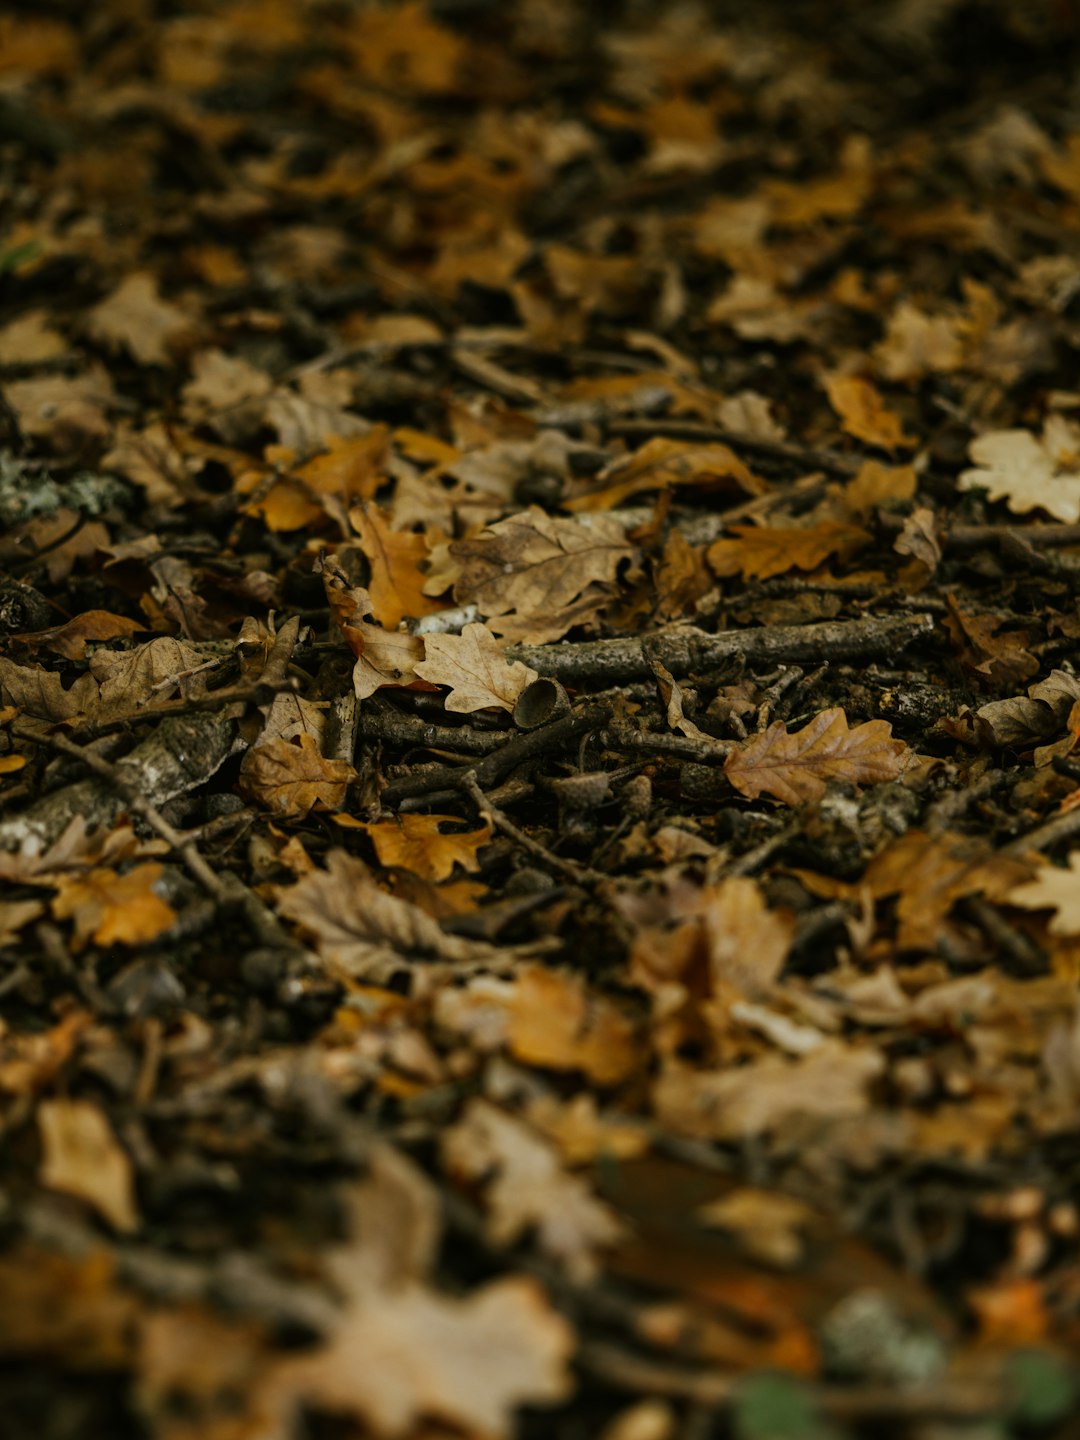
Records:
x=415, y=842
x=81, y=1156
x=863, y=413
x=760, y=552
x=395, y=556
x=114, y=909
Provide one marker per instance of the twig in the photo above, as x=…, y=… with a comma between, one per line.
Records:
x=686, y=649
x=1043, y=837
x=570, y=868
x=409, y=730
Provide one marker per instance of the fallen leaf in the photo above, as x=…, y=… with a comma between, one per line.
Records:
x=555, y=1023
x=365, y=931
x=290, y=778
x=114, y=909
x=396, y=556
x=80, y=1156
x=472, y=667
x=544, y=572
x=662, y=463
x=526, y=1187
x=416, y=843
x=383, y=657
x=1027, y=473
x=863, y=414
x=796, y=768
x=1056, y=888
x=760, y=552
x=135, y=318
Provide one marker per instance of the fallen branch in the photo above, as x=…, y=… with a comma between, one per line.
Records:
x=684, y=650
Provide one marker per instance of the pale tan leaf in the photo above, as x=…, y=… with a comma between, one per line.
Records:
x=1027, y=473
x=81, y=1156
x=527, y=1187
x=1056, y=888
x=472, y=667
x=135, y=318
x=796, y=768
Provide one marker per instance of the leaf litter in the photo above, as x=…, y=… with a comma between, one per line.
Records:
x=538, y=721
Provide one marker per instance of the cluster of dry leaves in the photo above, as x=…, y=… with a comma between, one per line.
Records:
x=538, y=720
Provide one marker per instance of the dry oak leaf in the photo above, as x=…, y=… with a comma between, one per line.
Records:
x=415, y=842
x=661, y=463
x=539, y=567
x=759, y=552
x=135, y=318
x=863, y=414
x=1056, y=888
x=395, y=556
x=404, y=1350
x=738, y=1104
x=1030, y=474
x=114, y=909
x=796, y=768
x=383, y=657
x=1002, y=659
x=473, y=668
x=527, y=1187
x=81, y=1156
x=929, y=873
x=289, y=779
x=366, y=932
x=555, y=1023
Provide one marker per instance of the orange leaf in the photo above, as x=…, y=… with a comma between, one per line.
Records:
x=759, y=552
x=797, y=767
x=114, y=909
x=353, y=468
x=395, y=556
x=415, y=842
x=863, y=414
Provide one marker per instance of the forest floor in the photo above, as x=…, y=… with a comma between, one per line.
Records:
x=539, y=725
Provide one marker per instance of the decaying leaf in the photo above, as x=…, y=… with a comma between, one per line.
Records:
x=290, y=778
x=538, y=575
x=404, y=1350
x=134, y=317
x=471, y=665
x=383, y=657
x=796, y=767
x=81, y=1156
x=363, y=930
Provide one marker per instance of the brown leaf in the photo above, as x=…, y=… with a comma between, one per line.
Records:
x=1001, y=660
x=863, y=413
x=661, y=463
x=289, y=779
x=114, y=909
x=538, y=569
x=797, y=767
x=759, y=552
x=556, y=1024
x=416, y=843
x=81, y=1156
x=527, y=1187
x=397, y=581
x=472, y=667
x=366, y=932
x=135, y=318
x=383, y=657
